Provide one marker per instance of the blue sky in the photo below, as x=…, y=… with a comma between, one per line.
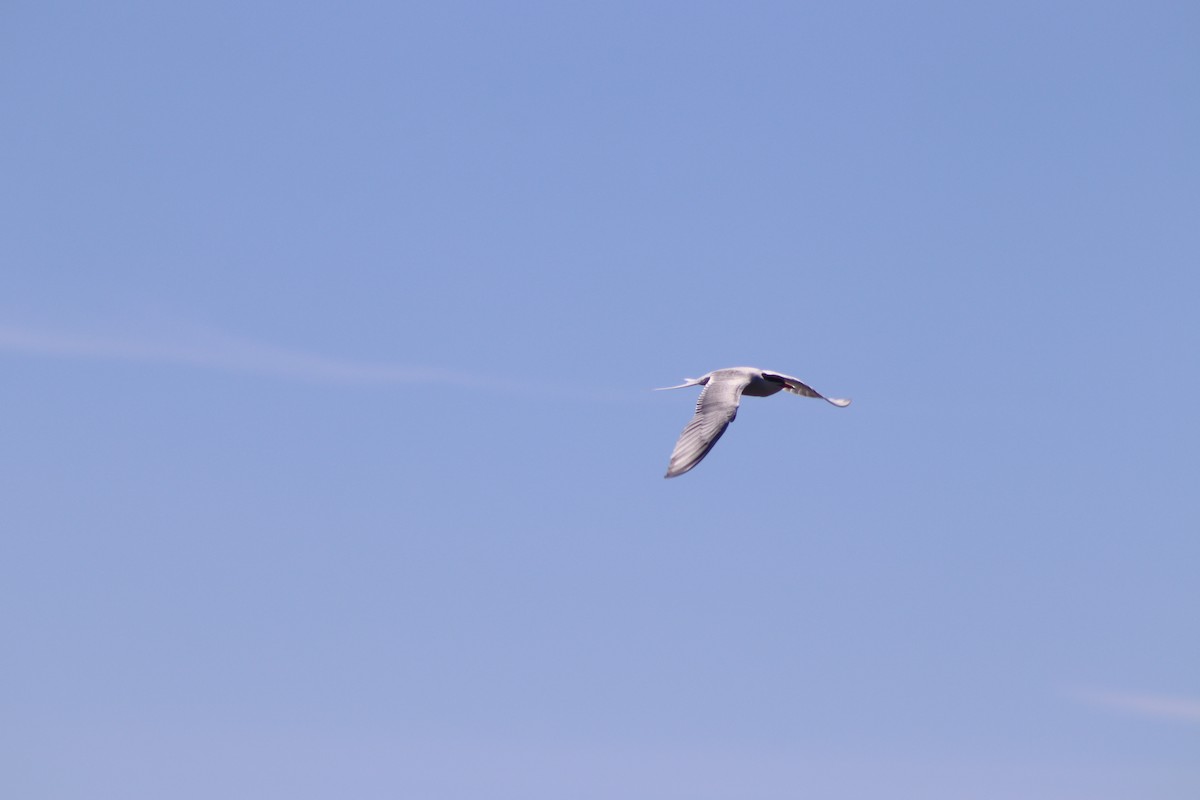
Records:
x=330, y=463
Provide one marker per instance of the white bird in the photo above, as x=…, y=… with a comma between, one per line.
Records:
x=718, y=405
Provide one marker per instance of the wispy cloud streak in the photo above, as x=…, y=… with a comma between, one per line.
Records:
x=1145, y=705
x=220, y=353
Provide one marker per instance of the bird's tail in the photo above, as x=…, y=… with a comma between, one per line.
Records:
x=687, y=382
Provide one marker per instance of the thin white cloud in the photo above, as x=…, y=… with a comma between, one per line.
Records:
x=221, y=353
x=1146, y=705
x=208, y=349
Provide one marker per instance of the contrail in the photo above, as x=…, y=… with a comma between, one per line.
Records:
x=221, y=353
x=1146, y=705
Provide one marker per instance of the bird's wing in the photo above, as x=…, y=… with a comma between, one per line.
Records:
x=715, y=409
x=796, y=386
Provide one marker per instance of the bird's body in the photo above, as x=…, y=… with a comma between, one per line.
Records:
x=718, y=405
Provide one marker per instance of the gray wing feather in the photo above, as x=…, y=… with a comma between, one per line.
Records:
x=796, y=386
x=716, y=407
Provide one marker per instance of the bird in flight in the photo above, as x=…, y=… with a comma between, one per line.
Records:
x=718, y=405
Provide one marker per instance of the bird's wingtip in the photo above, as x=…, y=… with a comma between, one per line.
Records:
x=838, y=401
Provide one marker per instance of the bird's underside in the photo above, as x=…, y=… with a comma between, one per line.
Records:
x=718, y=404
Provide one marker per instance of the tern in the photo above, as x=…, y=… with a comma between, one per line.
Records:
x=718, y=405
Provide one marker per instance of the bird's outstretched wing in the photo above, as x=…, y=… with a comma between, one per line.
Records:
x=796, y=386
x=716, y=408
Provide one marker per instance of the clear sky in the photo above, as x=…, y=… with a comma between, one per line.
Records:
x=330, y=466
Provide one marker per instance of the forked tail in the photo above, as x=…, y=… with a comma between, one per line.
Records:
x=688, y=382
